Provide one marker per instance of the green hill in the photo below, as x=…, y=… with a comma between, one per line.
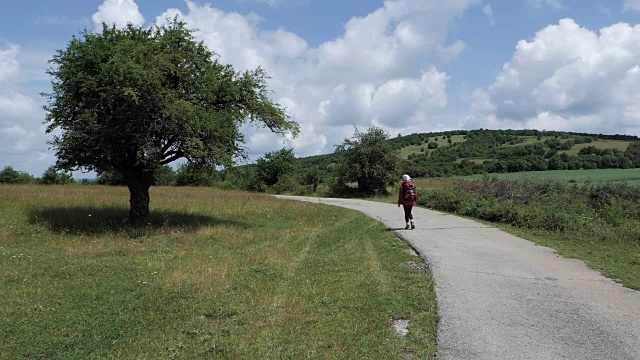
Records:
x=508, y=151
x=469, y=152
x=463, y=153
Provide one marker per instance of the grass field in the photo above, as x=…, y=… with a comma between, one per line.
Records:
x=596, y=175
x=602, y=144
x=216, y=274
x=530, y=140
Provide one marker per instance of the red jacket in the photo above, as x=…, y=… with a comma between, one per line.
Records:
x=401, y=200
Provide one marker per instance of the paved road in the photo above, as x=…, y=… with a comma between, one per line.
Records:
x=502, y=297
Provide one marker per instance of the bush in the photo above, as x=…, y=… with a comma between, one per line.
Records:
x=111, y=178
x=285, y=185
x=192, y=175
x=226, y=185
x=52, y=177
x=544, y=205
x=9, y=175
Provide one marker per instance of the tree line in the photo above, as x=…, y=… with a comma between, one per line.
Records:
x=51, y=176
x=369, y=162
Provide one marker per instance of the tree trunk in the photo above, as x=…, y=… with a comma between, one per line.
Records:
x=139, y=201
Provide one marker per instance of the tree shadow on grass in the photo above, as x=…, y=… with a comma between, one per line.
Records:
x=102, y=220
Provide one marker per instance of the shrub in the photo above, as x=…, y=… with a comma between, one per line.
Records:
x=544, y=205
x=9, y=175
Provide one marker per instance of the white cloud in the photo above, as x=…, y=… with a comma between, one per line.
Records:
x=632, y=5
x=9, y=65
x=15, y=104
x=569, y=78
x=409, y=101
x=376, y=72
x=488, y=11
x=396, y=103
x=120, y=12
x=555, y=5
x=449, y=53
x=23, y=143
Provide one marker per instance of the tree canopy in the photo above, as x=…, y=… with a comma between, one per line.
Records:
x=368, y=159
x=52, y=177
x=134, y=99
x=274, y=165
x=9, y=175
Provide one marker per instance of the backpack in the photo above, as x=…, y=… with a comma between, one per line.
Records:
x=410, y=192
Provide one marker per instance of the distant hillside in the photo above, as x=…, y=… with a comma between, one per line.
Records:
x=464, y=152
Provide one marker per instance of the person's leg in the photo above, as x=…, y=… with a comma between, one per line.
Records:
x=407, y=216
x=413, y=226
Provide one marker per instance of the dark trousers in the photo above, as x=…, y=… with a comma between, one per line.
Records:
x=407, y=212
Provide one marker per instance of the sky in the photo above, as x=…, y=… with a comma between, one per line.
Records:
x=407, y=66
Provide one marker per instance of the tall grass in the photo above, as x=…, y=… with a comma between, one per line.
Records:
x=216, y=274
x=599, y=223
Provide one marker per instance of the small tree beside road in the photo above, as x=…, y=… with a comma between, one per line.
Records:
x=275, y=165
x=368, y=159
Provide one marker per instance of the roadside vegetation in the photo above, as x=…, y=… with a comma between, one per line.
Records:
x=214, y=274
x=596, y=222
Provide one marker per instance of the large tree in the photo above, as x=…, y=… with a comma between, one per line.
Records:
x=369, y=159
x=134, y=99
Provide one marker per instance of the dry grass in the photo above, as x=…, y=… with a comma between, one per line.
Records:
x=216, y=274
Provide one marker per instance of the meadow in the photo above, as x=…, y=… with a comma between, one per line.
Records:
x=215, y=274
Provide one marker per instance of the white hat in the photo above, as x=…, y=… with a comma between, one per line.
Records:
x=406, y=177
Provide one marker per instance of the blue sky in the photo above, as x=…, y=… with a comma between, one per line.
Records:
x=40, y=24
x=405, y=65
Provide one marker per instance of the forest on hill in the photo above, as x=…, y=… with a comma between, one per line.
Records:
x=460, y=153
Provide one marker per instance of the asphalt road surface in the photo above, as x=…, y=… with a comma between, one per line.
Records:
x=503, y=297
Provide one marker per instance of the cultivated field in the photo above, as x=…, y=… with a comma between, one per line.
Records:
x=595, y=175
x=217, y=274
x=602, y=144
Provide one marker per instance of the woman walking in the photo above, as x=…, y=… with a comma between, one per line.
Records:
x=407, y=198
